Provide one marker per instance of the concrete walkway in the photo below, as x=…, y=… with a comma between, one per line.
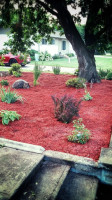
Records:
x=49, y=68
x=49, y=174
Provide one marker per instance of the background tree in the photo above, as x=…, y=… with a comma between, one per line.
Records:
x=31, y=16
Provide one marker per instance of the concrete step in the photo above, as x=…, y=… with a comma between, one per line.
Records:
x=78, y=187
x=46, y=183
x=16, y=168
x=55, y=181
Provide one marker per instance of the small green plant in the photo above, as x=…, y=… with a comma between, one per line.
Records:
x=16, y=74
x=56, y=70
x=103, y=73
x=15, y=67
x=80, y=134
x=76, y=73
x=76, y=82
x=109, y=76
x=37, y=73
x=2, y=145
x=65, y=108
x=8, y=116
x=4, y=82
x=2, y=61
x=87, y=95
x=9, y=97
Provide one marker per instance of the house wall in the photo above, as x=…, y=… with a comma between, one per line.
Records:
x=3, y=37
x=53, y=49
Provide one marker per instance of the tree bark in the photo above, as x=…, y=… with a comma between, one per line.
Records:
x=86, y=60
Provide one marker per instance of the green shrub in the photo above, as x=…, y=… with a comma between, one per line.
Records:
x=9, y=97
x=15, y=67
x=45, y=56
x=57, y=56
x=102, y=73
x=65, y=108
x=80, y=134
x=109, y=76
x=8, y=116
x=16, y=74
x=56, y=70
x=76, y=82
x=4, y=82
x=2, y=61
x=37, y=73
x=70, y=54
x=76, y=73
x=32, y=53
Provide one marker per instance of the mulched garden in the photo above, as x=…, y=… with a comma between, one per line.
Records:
x=39, y=126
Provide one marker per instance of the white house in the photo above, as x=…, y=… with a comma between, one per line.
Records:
x=59, y=44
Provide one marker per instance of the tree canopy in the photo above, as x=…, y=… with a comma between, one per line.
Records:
x=29, y=17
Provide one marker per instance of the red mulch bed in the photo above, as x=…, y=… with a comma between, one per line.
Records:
x=39, y=126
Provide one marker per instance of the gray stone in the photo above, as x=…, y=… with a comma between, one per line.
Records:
x=21, y=146
x=65, y=158
x=15, y=168
x=4, y=73
x=20, y=83
x=105, y=159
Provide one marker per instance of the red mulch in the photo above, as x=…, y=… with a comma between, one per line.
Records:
x=39, y=126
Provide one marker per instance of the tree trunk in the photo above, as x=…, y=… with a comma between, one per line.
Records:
x=86, y=60
x=87, y=66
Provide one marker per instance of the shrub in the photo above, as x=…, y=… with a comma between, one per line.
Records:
x=65, y=108
x=56, y=70
x=70, y=54
x=16, y=74
x=76, y=73
x=15, y=67
x=45, y=56
x=80, y=134
x=109, y=76
x=4, y=82
x=76, y=82
x=2, y=61
x=9, y=97
x=32, y=53
x=87, y=95
x=37, y=73
x=8, y=116
x=102, y=73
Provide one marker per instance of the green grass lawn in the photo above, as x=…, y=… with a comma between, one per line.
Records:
x=101, y=62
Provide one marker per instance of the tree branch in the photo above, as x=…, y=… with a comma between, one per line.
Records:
x=47, y=8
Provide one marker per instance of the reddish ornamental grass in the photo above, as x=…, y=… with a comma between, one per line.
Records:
x=38, y=125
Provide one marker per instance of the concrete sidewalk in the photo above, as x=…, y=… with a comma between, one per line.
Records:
x=49, y=68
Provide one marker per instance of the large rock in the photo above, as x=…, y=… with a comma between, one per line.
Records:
x=4, y=73
x=21, y=84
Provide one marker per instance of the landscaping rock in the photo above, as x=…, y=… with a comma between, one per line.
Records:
x=4, y=73
x=21, y=84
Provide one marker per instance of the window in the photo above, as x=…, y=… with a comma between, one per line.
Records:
x=63, y=45
x=53, y=41
x=44, y=41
